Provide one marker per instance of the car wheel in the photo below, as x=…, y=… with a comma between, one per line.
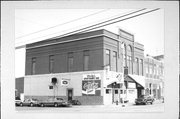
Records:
x=55, y=105
x=31, y=104
x=42, y=105
x=151, y=103
x=78, y=103
x=21, y=104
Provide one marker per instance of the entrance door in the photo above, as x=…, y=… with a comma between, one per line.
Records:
x=116, y=95
x=70, y=94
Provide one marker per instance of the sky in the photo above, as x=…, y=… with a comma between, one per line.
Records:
x=33, y=25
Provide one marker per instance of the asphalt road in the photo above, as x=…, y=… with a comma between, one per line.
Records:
x=97, y=108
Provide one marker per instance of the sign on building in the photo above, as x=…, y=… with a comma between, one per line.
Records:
x=91, y=77
x=131, y=85
x=65, y=82
x=91, y=84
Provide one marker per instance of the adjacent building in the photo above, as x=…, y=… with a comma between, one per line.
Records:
x=154, y=68
x=97, y=67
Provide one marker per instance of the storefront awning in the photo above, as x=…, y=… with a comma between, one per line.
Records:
x=139, y=79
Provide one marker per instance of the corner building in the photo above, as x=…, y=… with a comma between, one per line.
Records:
x=93, y=67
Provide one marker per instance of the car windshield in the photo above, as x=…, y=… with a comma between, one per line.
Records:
x=59, y=99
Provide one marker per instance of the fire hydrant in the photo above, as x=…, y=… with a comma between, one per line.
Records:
x=116, y=102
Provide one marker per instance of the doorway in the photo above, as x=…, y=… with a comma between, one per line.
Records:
x=69, y=94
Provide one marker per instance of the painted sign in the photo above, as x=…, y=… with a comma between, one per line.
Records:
x=131, y=85
x=91, y=87
x=65, y=82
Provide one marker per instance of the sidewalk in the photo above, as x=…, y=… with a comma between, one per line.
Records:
x=115, y=105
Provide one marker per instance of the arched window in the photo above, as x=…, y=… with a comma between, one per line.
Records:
x=137, y=65
x=129, y=59
x=123, y=47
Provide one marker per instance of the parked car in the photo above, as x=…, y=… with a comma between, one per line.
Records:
x=144, y=100
x=29, y=102
x=54, y=102
x=17, y=101
x=75, y=102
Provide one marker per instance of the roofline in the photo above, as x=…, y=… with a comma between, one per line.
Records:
x=94, y=36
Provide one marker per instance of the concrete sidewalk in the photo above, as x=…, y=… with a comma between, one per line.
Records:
x=115, y=105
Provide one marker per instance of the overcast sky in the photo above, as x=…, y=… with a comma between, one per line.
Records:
x=32, y=25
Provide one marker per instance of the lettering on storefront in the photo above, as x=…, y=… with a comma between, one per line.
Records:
x=91, y=77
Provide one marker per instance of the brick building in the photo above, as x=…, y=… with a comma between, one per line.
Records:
x=93, y=67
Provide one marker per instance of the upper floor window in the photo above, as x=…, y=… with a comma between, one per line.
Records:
x=137, y=65
x=123, y=54
x=129, y=59
x=141, y=67
x=86, y=60
x=51, y=64
x=108, y=58
x=33, y=71
x=114, y=62
x=70, y=61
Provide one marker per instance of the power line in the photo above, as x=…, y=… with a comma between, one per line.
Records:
x=63, y=23
x=122, y=19
x=101, y=23
x=105, y=24
x=94, y=24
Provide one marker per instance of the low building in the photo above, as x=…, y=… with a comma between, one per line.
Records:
x=91, y=67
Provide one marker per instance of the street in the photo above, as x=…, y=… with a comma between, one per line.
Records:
x=157, y=107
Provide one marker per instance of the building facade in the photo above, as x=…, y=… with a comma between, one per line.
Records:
x=97, y=67
x=154, y=69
